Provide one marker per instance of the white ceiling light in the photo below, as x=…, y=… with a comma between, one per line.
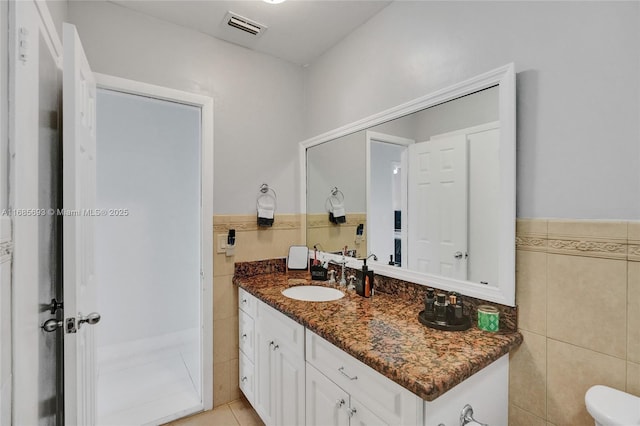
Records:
x=274, y=1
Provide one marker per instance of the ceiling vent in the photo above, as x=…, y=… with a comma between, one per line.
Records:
x=244, y=24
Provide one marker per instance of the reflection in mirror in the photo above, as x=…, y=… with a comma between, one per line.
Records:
x=447, y=193
x=430, y=188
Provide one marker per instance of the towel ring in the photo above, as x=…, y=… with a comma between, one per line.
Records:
x=335, y=194
x=267, y=193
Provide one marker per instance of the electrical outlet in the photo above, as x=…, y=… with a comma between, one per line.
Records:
x=222, y=244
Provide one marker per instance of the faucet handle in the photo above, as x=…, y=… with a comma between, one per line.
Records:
x=351, y=279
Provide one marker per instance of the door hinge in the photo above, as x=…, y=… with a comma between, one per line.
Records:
x=70, y=325
x=23, y=44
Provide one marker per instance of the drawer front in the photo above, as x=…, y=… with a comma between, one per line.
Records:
x=246, y=378
x=247, y=302
x=284, y=331
x=385, y=398
x=246, y=337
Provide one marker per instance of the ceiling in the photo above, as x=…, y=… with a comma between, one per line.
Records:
x=297, y=30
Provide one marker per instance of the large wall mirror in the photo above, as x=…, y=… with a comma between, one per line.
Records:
x=428, y=187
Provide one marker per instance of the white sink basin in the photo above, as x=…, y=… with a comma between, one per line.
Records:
x=313, y=293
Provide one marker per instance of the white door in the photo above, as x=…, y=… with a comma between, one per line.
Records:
x=438, y=207
x=327, y=403
x=289, y=387
x=79, y=195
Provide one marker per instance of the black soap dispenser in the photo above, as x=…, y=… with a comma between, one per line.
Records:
x=365, y=283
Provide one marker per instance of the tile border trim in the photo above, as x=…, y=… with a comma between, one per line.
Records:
x=529, y=238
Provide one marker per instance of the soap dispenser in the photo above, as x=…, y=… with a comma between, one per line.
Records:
x=365, y=281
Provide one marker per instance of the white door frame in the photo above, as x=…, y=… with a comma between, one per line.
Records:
x=371, y=136
x=205, y=104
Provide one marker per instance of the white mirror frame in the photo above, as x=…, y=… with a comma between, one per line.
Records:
x=504, y=77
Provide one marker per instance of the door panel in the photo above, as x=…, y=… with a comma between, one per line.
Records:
x=438, y=198
x=289, y=387
x=79, y=182
x=326, y=402
x=34, y=164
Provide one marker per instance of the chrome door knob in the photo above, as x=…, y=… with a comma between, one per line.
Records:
x=458, y=255
x=51, y=325
x=92, y=318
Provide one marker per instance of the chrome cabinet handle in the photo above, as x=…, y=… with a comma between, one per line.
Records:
x=351, y=411
x=275, y=347
x=340, y=402
x=341, y=370
x=244, y=336
x=244, y=379
x=466, y=416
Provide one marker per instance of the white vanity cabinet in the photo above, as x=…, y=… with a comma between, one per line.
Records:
x=292, y=376
x=280, y=368
x=247, y=305
x=372, y=398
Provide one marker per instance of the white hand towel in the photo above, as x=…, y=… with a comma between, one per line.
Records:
x=265, y=212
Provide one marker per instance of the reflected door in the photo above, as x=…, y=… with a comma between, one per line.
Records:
x=437, y=186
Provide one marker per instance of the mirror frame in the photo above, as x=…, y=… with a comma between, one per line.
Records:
x=504, y=78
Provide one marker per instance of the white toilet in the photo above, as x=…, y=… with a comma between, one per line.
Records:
x=611, y=407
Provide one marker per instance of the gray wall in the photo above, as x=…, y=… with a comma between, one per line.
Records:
x=258, y=99
x=58, y=10
x=578, y=89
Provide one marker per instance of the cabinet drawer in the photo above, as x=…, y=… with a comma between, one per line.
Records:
x=246, y=378
x=385, y=398
x=284, y=331
x=247, y=302
x=246, y=337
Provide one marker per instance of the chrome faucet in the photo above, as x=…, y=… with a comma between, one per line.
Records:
x=343, y=280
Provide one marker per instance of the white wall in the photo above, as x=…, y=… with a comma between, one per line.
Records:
x=258, y=99
x=578, y=89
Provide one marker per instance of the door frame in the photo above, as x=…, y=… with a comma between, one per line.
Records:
x=371, y=136
x=205, y=103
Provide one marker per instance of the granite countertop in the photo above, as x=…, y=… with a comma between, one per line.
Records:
x=384, y=333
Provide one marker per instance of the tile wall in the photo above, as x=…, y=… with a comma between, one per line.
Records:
x=252, y=243
x=578, y=295
x=332, y=237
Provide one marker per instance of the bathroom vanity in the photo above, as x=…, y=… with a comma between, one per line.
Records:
x=363, y=361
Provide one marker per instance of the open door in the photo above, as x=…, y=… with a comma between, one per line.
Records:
x=79, y=200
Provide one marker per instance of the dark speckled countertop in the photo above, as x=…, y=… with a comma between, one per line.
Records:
x=384, y=333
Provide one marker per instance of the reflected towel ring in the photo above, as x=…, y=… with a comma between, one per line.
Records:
x=334, y=195
x=266, y=193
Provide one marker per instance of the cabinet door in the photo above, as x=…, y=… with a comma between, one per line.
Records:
x=246, y=336
x=247, y=378
x=264, y=395
x=327, y=403
x=289, y=387
x=362, y=416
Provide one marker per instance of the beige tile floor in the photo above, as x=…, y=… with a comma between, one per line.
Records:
x=236, y=413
